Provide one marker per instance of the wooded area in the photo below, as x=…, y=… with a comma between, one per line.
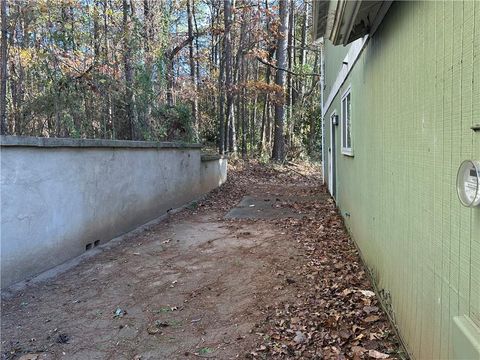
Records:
x=238, y=75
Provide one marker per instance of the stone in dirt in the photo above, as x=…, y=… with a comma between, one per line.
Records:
x=299, y=337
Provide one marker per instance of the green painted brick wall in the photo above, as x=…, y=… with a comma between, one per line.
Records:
x=415, y=94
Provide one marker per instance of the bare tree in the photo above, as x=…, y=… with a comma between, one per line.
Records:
x=127, y=59
x=290, y=82
x=265, y=128
x=278, y=152
x=170, y=75
x=148, y=38
x=243, y=77
x=227, y=45
x=221, y=106
x=193, y=79
x=112, y=69
x=253, y=117
x=303, y=50
x=110, y=122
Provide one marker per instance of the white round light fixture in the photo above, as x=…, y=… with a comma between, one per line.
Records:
x=468, y=183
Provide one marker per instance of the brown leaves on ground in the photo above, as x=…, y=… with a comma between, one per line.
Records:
x=334, y=313
x=243, y=176
x=335, y=309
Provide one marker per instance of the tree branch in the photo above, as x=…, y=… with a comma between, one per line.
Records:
x=185, y=42
x=286, y=70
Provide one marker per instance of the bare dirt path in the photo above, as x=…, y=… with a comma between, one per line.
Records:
x=284, y=284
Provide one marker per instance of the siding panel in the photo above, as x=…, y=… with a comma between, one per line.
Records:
x=475, y=215
x=415, y=95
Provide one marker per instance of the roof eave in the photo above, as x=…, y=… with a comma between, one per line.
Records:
x=343, y=21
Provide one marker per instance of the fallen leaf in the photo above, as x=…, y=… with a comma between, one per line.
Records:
x=367, y=293
x=358, y=350
x=299, y=337
x=294, y=320
x=152, y=330
x=372, y=318
x=370, y=309
x=377, y=354
x=360, y=337
x=28, y=357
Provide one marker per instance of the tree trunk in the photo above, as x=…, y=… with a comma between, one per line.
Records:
x=268, y=138
x=303, y=50
x=221, y=107
x=311, y=137
x=238, y=75
x=170, y=81
x=214, y=61
x=290, y=90
x=265, y=128
x=243, y=112
x=278, y=152
x=193, y=80
x=197, y=52
x=3, y=64
x=96, y=29
x=253, y=116
x=127, y=54
x=14, y=72
x=170, y=75
x=109, y=119
x=230, y=117
x=261, y=144
x=148, y=29
x=99, y=116
x=227, y=22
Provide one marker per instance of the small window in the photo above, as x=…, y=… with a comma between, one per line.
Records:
x=347, y=148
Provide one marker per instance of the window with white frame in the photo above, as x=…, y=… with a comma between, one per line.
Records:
x=347, y=148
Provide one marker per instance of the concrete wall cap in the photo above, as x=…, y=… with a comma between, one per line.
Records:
x=212, y=157
x=30, y=141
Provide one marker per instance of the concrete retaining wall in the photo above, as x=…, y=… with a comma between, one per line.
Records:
x=60, y=196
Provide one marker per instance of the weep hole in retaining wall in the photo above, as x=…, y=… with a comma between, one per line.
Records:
x=60, y=197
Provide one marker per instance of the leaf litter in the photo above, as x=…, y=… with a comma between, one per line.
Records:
x=335, y=314
x=317, y=303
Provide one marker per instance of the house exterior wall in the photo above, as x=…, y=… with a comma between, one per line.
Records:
x=415, y=94
x=58, y=195
x=336, y=55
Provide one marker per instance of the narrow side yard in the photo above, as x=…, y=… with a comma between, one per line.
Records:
x=261, y=268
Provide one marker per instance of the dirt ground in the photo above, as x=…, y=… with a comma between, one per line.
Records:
x=201, y=286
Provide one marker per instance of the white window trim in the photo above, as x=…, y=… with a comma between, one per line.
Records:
x=345, y=150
